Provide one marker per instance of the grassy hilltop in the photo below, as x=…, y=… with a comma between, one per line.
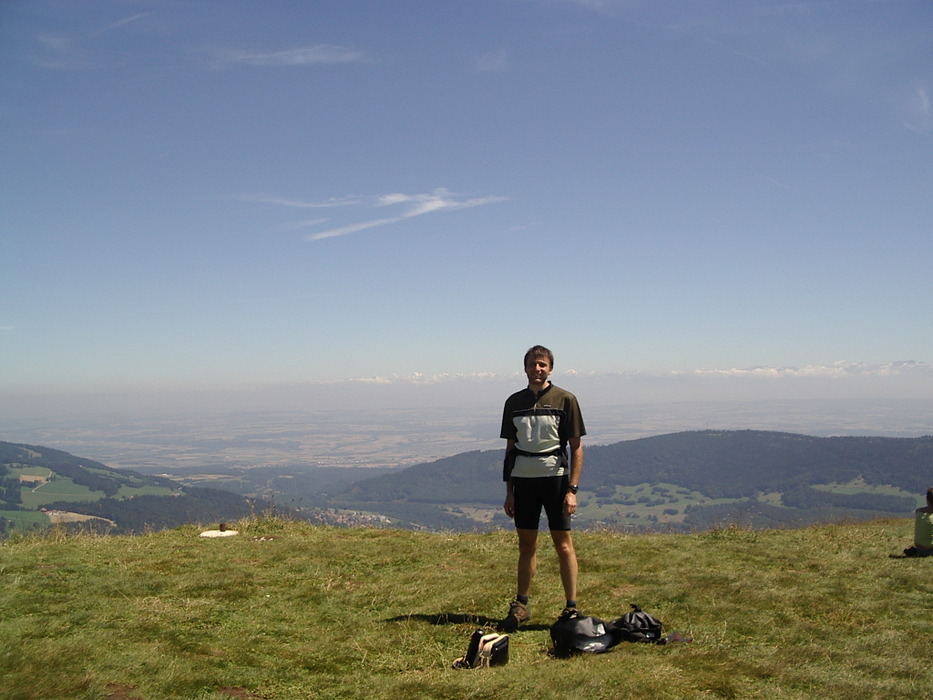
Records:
x=287, y=610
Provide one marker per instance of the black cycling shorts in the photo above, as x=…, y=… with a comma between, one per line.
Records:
x=545, y=492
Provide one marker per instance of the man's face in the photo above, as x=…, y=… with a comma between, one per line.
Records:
x=538, y=370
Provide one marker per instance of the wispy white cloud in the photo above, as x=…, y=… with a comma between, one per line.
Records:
x=741, y=54
x=321, y=54
x=411, y=206
x=299, y=204
x=836, y=370
x=440, y=378
x=121, y=22
x=59, y=52
x=55, y=42
x=352, y=228
x=919, y=110
x=492, y=61
x=405, y=206
x=75, y=51
x=308, y=223
x=838, y=380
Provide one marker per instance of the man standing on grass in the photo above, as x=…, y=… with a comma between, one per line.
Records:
x=538, y=424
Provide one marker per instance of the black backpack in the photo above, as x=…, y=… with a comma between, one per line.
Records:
x=637, y=626
x=582, y=634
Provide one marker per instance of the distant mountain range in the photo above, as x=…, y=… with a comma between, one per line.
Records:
x=680, y=481
x=40, y=486
x=687, y=480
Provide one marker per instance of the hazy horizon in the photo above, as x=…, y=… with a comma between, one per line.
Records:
x=838, y=381
x=405, y=420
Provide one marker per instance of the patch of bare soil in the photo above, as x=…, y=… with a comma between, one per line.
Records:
x=57, y=517
x=118, y=691
x=239, y=693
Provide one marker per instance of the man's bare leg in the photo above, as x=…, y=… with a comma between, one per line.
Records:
x=567, y=557
x=527, y=559
x=527, y=567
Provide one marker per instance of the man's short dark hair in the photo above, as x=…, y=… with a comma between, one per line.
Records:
x=537, y=351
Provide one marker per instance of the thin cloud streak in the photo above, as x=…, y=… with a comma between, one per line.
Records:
x=303, y=224
x=66, y=52
x=920, y=111
x=353, y=228
x=299, y=204
x=418, y=205
x=322, y=54
x=122, y=22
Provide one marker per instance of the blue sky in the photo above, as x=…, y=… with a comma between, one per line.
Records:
x=210, y=194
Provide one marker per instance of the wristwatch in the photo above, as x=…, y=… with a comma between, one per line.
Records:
x=574, y=488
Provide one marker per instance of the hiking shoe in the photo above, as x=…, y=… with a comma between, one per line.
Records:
x=569, y=614
x=518, y=613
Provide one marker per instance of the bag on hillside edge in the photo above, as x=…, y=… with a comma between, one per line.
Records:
x=637, y=626
x=582, y=634
x=485, y=649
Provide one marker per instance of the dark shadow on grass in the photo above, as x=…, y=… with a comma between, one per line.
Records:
x=459, y=619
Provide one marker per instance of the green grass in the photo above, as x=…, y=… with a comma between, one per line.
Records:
x=26, y=518
x=858, y=487
x=58, y=490
x=287, y=610
x=130, y=491
x=62, y=489
x=622, y=504
x=29, y=471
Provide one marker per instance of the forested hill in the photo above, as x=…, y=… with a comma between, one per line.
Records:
x=687, y=481
x=766, y=478
x=37, y=480
x=83, y=472
x=737, y=464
